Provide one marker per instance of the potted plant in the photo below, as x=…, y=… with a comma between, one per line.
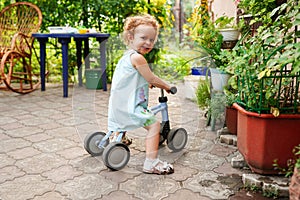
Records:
x=267, y=70
x=230, y=111
x=210, y=40
x=206, y=37
x=229, y=31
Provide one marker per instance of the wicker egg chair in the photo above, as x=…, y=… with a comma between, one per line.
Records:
x=17, y=22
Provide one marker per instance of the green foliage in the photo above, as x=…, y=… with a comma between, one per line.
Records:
x=271, y=192
x=171, y=66
x=257, y=7
x=203, y=94
x=102, y=15
x=205, y=33
x=260, y=63
x=224, y=22
x=217, y=105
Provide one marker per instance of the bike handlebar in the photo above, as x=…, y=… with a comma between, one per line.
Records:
x=173, y=90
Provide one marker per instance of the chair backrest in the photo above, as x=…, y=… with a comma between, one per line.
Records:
x=20, y=17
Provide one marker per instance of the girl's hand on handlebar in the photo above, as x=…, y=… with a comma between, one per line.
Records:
x=151, y=86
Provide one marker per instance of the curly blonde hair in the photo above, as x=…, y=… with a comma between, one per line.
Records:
x=134, y=21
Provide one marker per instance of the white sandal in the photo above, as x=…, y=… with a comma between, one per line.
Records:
x=159, y=167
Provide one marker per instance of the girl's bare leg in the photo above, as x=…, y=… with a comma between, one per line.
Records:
x=152, y=140
x=152, y=164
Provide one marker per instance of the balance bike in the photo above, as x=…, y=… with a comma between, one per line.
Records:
x=116, y=154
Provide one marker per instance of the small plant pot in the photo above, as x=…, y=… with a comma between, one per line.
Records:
x=93, y=78
x=201, y=71
x=219, y=79
x=230, y=34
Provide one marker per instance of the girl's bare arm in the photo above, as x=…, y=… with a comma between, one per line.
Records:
x=140, y=63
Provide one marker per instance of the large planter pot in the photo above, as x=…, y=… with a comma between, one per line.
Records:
x=294, y=188
x=231, y=119
x=262, y=138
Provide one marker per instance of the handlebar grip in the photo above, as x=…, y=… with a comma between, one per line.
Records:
x=173, y=90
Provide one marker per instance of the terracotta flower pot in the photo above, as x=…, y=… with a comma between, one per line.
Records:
x=294, y=188
x=262, y=138
x=231, y=119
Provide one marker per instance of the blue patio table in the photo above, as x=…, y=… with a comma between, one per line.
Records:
x=65, y=39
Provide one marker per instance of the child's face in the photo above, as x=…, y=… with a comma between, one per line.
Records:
x=143, y=39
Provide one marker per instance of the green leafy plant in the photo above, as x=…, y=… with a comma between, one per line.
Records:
x=203, y=94
x=264, y=65
x=203, y=33
x=225, y=22
x=257, y=7
x=171, y=66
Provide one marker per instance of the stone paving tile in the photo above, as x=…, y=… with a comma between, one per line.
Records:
x=38, y=137
x=12, y=144
x=136, y=159
x=227, y=169
x=120, y=176
x=54, y=145
x=69, y=121
x=23, y=153
x=49, y=126
x=50, y=196
x=11, y=126
x=23, y=132
x=3, y=136
x=62, y=174
x=185, y=194
x=182, y=173
x=25, y=187
x=41, y=163
x=201, y=160
x=87, y=186
x=48, y=113
x=88, y=164
x=9, y=173
x=118, y=195
x=6, y=160
x=36, y=121
x=7, y=120
x=72, y=153
x=150, y=187
x=222, y=150
x=207, y=184
x=63, y=131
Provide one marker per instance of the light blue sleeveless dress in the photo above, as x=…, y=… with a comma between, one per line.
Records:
x=128, y=101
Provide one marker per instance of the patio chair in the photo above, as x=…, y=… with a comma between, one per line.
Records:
x=17, y=22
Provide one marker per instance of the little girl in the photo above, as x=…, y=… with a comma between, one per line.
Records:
x=128, y=102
